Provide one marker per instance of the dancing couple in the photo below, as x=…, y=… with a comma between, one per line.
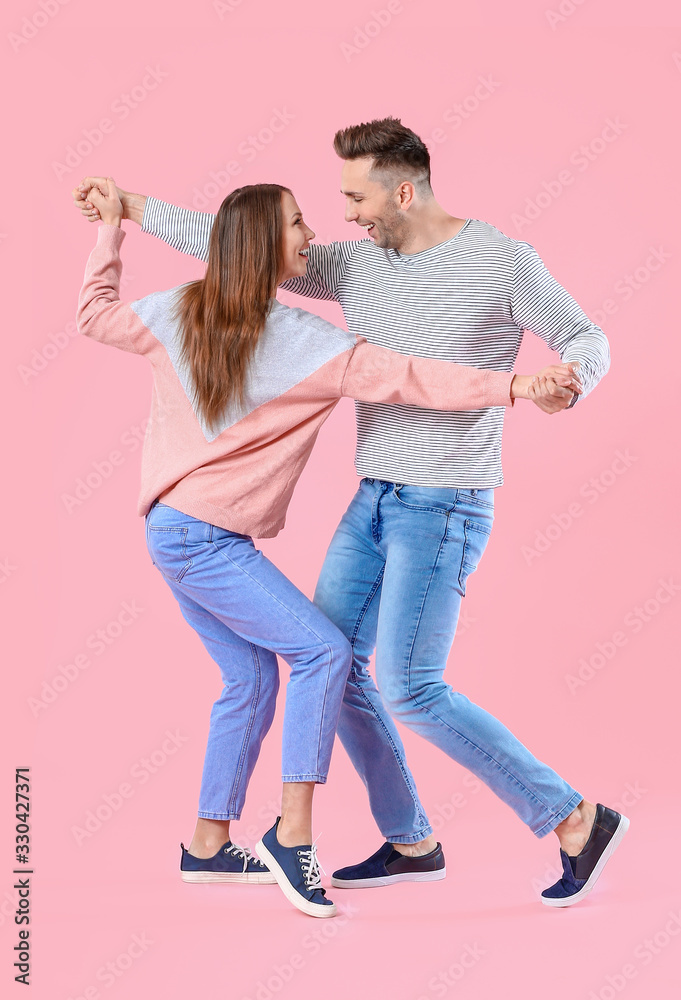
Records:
x=436, y=307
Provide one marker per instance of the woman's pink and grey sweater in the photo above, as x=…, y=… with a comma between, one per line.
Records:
x=240, y=474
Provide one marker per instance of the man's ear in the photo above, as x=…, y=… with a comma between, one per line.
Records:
x=405, y=194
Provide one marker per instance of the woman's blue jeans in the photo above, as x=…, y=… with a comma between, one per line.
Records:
x=393, y=579
x=246, y=612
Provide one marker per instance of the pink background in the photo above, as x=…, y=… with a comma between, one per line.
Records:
x=530, y=617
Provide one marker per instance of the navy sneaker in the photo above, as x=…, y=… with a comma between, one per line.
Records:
x=581, y=872
x=297, y=871
x=387, y=866
x=230, y=864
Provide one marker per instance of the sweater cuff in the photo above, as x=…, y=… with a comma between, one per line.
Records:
x=110, y=237
x=498, y=388
x=150, y=214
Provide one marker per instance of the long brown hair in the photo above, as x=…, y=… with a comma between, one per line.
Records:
x=223, y=315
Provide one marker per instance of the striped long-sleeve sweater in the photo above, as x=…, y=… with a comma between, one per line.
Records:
x=466, y=300
x=240, y=474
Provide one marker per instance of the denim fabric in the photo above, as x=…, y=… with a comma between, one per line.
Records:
x=393, y=579
x=245, y=611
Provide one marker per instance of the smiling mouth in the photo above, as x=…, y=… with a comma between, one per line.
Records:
x=368, y=228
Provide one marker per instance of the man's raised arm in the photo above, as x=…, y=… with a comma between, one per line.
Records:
x=181, y=228
x=189, y=232
x=184, y=230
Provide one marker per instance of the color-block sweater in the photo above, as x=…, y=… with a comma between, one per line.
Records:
x=240, y=474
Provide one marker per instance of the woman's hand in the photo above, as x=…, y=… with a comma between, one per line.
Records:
x=104, y=196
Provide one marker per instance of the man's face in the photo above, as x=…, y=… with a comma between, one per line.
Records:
x=372, y=206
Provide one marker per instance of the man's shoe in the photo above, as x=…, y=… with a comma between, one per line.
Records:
x=580, y=873
x=296, y=869
x=387, y=866
x=230, y=864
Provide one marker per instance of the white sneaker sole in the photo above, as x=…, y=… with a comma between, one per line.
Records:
x=252, y=878
x=615, y=840
x=293, y=896
x=367, y=883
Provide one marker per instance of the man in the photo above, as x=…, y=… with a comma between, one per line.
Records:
x=434, y=285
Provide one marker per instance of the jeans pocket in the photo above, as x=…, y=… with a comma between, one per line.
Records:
x=146, y=535
x=476, y=536
x=167, y=548
x=436, y=500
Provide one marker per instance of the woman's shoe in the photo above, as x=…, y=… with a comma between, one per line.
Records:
x=231, y=864
x=296, y=869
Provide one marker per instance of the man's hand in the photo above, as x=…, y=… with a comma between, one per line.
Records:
x=133, y=204
x=107, y=203
x=552, y=388
x=559, y=372
x=548, y=395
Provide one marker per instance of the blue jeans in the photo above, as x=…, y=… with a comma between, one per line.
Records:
x=246, y=611
x=393, y=580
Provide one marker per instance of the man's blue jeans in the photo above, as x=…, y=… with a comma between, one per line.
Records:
x=245, y=611
x=393, y=580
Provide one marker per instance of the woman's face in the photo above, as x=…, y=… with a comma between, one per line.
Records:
x=296, y=238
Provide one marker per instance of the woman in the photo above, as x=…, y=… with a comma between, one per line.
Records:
x=242, y=385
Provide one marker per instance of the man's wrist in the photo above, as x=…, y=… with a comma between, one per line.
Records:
x=133, y=206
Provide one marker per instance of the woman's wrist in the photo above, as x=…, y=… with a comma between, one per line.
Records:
x=520, y=385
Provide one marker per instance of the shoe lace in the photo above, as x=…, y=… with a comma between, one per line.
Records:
x=243, y=852
x=309, y=862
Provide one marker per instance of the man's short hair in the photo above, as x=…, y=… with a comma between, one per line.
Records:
x=395, y=150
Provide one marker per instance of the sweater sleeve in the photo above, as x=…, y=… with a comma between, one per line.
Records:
x=377, y=375
x=540, y=304
x=181, y=228
x=326, y=265
x=101, y=315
